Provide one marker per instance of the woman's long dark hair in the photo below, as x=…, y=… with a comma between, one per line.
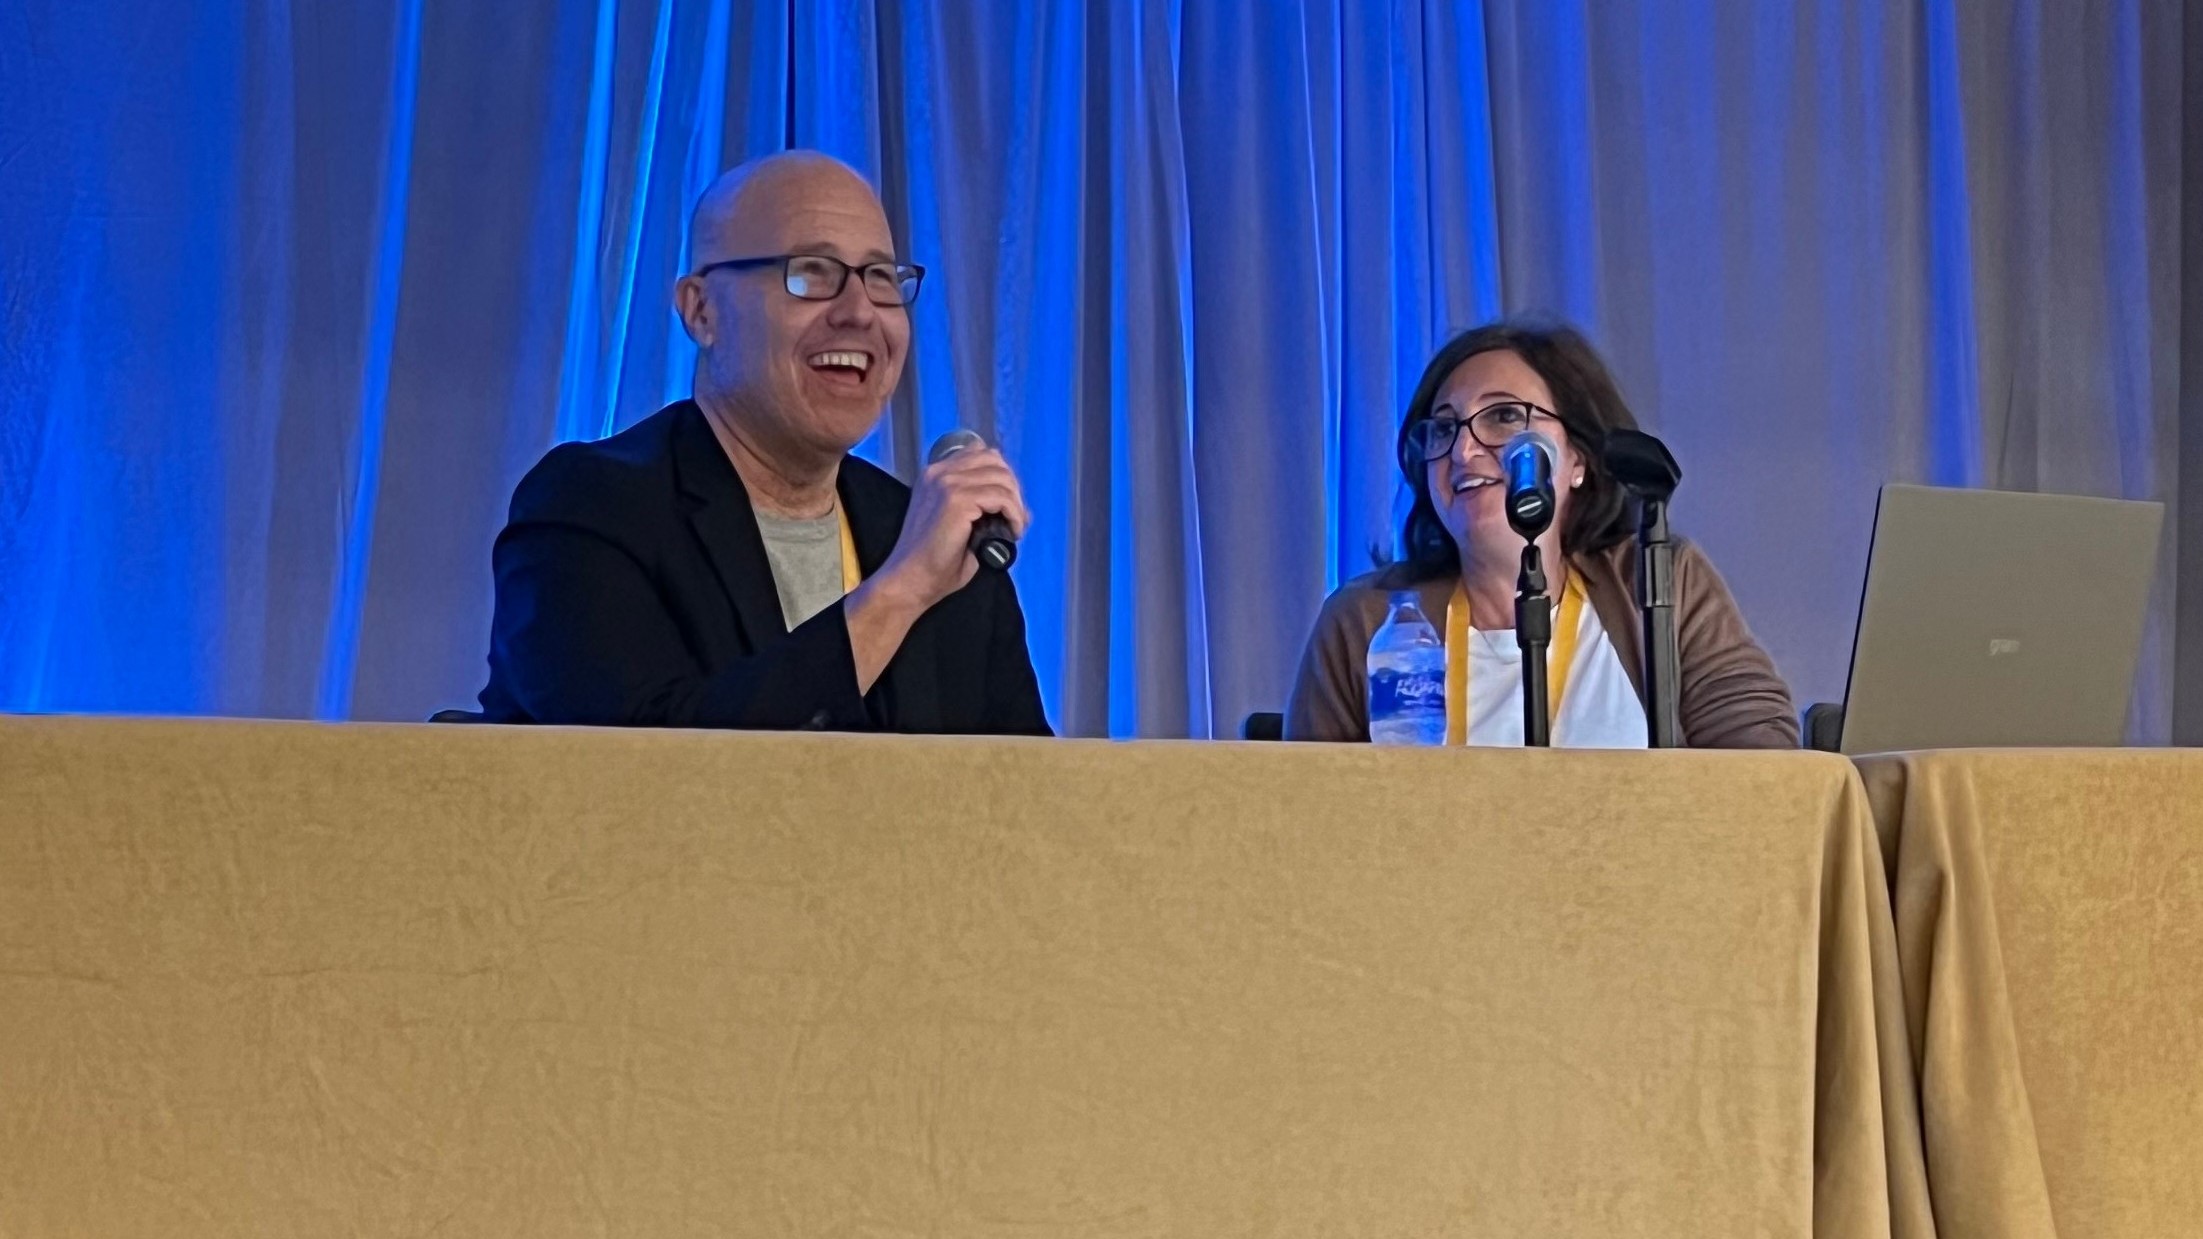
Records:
x=1588, y=405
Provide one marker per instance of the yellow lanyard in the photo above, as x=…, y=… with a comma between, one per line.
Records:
x=852, y=573
x=1561, y=657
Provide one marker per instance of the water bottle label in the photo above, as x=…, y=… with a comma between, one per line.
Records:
x=1394, y=693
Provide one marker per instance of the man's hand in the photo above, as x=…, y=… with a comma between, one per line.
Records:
x=932, y=558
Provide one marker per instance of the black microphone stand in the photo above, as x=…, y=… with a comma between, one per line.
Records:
x=1656, y=600
x=1534, y=634
x=1644, y=467
x=1530, y=514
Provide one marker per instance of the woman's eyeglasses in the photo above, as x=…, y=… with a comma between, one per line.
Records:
x=1433, y=437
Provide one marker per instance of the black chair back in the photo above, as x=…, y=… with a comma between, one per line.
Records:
x=1822, y=727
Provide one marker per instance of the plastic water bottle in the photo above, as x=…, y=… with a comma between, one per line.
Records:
x=1407, y=677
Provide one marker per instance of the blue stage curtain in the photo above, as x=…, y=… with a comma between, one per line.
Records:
x=293, y=293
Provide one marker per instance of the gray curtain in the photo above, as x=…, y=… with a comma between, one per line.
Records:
x=294, y=293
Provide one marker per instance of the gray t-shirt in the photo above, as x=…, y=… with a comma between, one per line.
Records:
x=806, y=559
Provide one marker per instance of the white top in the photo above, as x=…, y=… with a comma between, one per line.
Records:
x=1600, y=710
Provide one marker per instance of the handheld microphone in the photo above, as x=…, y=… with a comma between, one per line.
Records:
x=1527, y=462
x=992, y=543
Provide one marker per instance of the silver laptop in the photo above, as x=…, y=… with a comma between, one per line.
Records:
x=2000, y=619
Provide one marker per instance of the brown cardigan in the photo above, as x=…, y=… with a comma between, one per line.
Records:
x=1732, y=697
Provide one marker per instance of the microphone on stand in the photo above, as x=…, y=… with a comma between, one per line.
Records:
x=992, y=543
x=1647, y=470
x=1527, y=463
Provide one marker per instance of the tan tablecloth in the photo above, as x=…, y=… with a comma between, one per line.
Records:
x=285, y=979
x=2050, y=919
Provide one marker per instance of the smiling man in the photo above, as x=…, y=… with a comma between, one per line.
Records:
x=726, y=562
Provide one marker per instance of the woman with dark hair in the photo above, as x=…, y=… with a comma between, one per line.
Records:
x=1461, y=559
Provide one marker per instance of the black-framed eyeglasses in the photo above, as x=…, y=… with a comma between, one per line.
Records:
x=816, y=277
x=1433, y=437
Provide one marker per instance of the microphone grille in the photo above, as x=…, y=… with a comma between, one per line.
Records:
x=953, y=442
x=1527, y=439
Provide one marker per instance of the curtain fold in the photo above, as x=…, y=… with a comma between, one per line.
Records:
x=294, y=294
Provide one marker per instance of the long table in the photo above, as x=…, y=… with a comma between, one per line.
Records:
x=2049, y=909
x=290, y=979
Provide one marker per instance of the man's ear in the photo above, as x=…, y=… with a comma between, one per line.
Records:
x=694, y=308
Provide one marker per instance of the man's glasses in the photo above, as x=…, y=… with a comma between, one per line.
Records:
x=815, y=277
x=1433, y=437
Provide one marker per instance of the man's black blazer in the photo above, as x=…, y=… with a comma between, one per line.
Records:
x=633, y=589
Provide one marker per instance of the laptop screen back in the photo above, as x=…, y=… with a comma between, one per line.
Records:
x=1999, y=619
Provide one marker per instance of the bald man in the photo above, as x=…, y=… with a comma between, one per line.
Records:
x=725, y=562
